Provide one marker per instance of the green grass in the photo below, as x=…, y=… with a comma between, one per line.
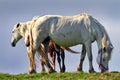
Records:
x=63, y=76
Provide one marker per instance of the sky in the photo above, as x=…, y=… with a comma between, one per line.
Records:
x=15, y=60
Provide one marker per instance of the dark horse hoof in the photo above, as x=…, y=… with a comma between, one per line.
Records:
x=79, y=69
x=63, y=69
x=51, y=70
x=32, y=72
x=91, y=71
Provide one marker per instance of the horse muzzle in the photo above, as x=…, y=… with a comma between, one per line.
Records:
x=104, y=69
x=13, y=44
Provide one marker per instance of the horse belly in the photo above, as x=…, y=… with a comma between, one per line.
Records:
x=67, y=38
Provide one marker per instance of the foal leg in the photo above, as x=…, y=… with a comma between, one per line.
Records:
x=42, y=65
x=32, y=68
x=40, y=53
x=90, y=57
x=79, y=68
x=63, y=60
x=53, y=60
x=59, y=60
x=53, y=57
x=50, y=69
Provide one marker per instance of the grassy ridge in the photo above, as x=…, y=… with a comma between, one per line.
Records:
x=63, y=76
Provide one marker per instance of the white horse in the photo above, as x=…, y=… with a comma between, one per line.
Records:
x=20, y=31
x=69, y=31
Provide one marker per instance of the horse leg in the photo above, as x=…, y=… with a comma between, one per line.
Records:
x=63, y=60
x=32, y=68
x=59, y=60
x=50, y=69
x=90, y=57
x=53, y=60
x=40, y=53
x=79, y=68
x=53, y=56
x=42, y=65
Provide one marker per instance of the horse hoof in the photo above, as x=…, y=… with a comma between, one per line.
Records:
x=51, y=70
x=42, y=71
x=79, y=69
x=63, y=69
x=31, y=72
x=91, y=71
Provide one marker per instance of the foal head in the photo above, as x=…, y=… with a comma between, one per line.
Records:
x=104, y=54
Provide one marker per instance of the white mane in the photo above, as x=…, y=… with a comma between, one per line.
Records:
x=35, y=18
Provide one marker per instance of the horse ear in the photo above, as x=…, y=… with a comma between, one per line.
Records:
x=111, y=46
x=18, y=25
x=104, y=42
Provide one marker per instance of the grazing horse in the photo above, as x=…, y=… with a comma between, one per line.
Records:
x=20, y=30
x=69, y=31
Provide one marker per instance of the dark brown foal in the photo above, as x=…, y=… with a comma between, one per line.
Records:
x=53, y=50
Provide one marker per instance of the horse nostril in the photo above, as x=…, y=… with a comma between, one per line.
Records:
x=13, y=44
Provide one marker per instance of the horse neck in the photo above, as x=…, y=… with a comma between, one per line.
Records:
x=99, y=40
x=23, y=31
x=100, y=33
x=25, y=27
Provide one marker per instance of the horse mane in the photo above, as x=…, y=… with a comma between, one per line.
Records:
x=105, y=36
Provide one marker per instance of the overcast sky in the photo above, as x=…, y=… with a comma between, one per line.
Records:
x=15, y=60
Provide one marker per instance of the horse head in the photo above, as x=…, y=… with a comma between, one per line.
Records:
x=104, y=54
x=17, y=33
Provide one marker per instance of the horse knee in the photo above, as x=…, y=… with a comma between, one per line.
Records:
x=90, y=57
x=62, y=54
x=58, y=58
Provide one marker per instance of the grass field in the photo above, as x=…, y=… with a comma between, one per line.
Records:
x=63, y=76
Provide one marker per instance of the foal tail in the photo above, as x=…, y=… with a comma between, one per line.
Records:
x=44, y=56
x=70, y=50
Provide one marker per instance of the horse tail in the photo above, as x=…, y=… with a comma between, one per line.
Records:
x=70, y=50
x=42, y=53
x=31, y=38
